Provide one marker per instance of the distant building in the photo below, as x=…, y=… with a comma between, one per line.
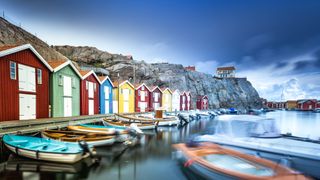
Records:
x=226, y=72
x=190, y=68
x=291, y=104
x=307, y=104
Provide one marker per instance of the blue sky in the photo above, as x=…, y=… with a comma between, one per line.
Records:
x=274, y=43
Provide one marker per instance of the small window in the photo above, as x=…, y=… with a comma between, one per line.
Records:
x=139, y=92
x=95, y=86
x=121, y=91
x=60, y=80
x=142, y=88
x=13, y=70
x=87, y=85
x=73, y=82
x=39, y=76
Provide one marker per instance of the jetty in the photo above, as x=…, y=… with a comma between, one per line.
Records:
x=36, y=125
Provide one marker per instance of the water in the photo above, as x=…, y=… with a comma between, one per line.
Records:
x=151, y=160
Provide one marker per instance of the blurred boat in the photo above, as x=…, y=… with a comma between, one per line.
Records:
x=261, y=137
x=92, y=138
x=119, y=136
x=125, y=125
x=46, y=149
x=166, y=121
x=211, y=161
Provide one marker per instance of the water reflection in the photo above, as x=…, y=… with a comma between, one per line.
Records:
x=152, y=159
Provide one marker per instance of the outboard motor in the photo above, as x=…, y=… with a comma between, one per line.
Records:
x=181, y=118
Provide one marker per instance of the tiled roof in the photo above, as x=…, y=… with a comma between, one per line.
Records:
x=56, y=63
x=84, y=72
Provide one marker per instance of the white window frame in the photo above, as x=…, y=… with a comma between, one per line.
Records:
x=39, y=76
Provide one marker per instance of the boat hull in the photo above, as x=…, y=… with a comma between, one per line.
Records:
x=46, y=156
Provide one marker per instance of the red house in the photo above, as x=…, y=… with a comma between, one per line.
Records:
x=183, y=101
x=155, y=100
x=202, y=102
x=307, y=104
x=142, y=98
x=318, y=104
x=89, y=93
x=24, y=79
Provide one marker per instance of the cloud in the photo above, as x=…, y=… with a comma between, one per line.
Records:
x=208, y=67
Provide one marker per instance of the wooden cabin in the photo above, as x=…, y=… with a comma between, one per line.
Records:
x=291, y=104
x=24, y=79
x=167, y=99
x=306, y=104
x=155, y=101
x=142, y=98
x=188, y=102
x=106, y=91
x=89, y=93
x=176, y=100
x=183, y=101
x=124, y=97
x=64, y=89
x=202, y=102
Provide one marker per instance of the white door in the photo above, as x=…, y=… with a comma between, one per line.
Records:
x=91, y=90
x=27, y=78
x=143, y=106
x=91, y=107
x=156, y=97
x=126, y=107
x=115, y=106
x=125, y=94
x=27, y=106
x=67, y=86
x=143, y=95
x=106, y=106
x=67, y=103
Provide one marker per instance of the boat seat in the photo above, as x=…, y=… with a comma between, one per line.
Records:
x=59, y=148
x=42, y=145
x=20, y=141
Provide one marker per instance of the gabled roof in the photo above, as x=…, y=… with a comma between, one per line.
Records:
x=176, y=90
x=86, y=73
x=59, y=64
x=137, y=86
x=163, y=89
x=6, y=50
x=306, y=100
x=153, y=88
x=102, y=79
x=115, y=83
x=188, y=93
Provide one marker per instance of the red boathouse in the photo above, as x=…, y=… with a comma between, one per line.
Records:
x=202, y=102
x=89, y=93
x=142, y=98
x=155, y=100
x=24, y=79
x=307, y=104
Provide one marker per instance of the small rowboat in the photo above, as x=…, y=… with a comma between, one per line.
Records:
x=120, y=136
x=45, y=149
x=212, y=161
x=171, y=121
x=94, y=139
x=121, y=124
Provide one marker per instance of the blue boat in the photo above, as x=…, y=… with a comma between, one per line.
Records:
x=46, y=149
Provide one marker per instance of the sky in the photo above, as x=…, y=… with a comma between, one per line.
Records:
x=274, y=43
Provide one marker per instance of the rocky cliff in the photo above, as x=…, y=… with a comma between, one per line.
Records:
x=237, y=93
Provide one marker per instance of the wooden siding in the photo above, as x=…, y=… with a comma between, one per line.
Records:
x=167, y=103
x=176, y=101
x=84, y=96
x=121, y=98
x=102, y=97
x=9, y=89
x=57, y=96
x=139, y=99
x=152, y=99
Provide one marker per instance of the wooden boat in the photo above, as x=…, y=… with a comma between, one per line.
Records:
x=157, y=121
x=46, y=149
x=120, y=136
x=121, y=124
x=212, y=161
x=94, y=139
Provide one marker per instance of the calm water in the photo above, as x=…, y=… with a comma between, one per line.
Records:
x=151, y=160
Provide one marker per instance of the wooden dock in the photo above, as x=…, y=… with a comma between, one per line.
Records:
x=36, y=125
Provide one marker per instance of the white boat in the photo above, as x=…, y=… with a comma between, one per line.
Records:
x=261, y=137
x=165, y=121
